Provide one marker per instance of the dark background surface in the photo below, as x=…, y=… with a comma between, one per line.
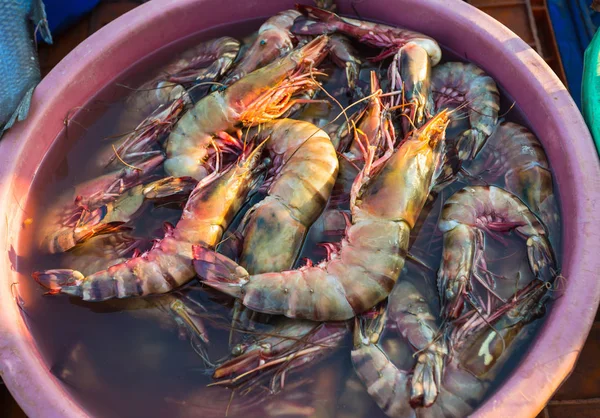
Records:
x=579, y=396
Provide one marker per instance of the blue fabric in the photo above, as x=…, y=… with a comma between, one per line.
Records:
x=63, y=13
x=572, y=38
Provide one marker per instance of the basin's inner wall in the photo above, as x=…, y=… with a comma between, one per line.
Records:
x=26, y=288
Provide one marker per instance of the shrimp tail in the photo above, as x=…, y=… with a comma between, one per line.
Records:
x=60, y=281
x=306, y=26
x=541, y=257
x=427, y=379
x=470, y=143
x=219, y=272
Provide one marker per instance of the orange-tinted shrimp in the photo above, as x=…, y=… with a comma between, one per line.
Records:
x=261, y=96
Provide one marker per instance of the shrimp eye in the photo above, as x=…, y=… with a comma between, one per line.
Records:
x=267, y=161
x=237, y=350
x=263, y=42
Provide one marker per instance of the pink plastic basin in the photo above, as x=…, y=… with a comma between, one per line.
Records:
x=468, y=32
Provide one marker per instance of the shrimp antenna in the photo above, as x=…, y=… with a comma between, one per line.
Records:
x=137, y=129
x=204, y=83
x=137, y=90
x=324, y=90
x=71, y=113
x=123, y=161
x=201, y=352
x=276, y=335
x=509, y=109
x=488, y=324
x=344, y=109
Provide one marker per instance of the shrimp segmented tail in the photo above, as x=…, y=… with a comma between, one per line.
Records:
x=365, y=268
x=168, y=265
x=387, y=384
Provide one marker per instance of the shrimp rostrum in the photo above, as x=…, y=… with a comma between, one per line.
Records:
x=370, y=257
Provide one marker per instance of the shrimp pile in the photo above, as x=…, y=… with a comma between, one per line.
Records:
x=340, y=187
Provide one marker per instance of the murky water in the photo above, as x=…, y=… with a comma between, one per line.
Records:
x=121, y=360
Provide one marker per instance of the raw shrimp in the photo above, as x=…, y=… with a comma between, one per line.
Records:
x=174, y=310
x=386, y=374
x=204, y=62
x=304, y=169
x=259, y=97
x=373, y=34
x=142, y=142
x=465, y=216
x=409, y=309
x=456, y=83
x=365, y=268
x=481, y=345
x=274, y=41
x=161, y=101
x=386, y=383
x=369, y=127
x=410, y=72
x=343, y=54
x=515, y=155
x=59, y=231
x=114, y=215
x=287, y=346
x=208, y=211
